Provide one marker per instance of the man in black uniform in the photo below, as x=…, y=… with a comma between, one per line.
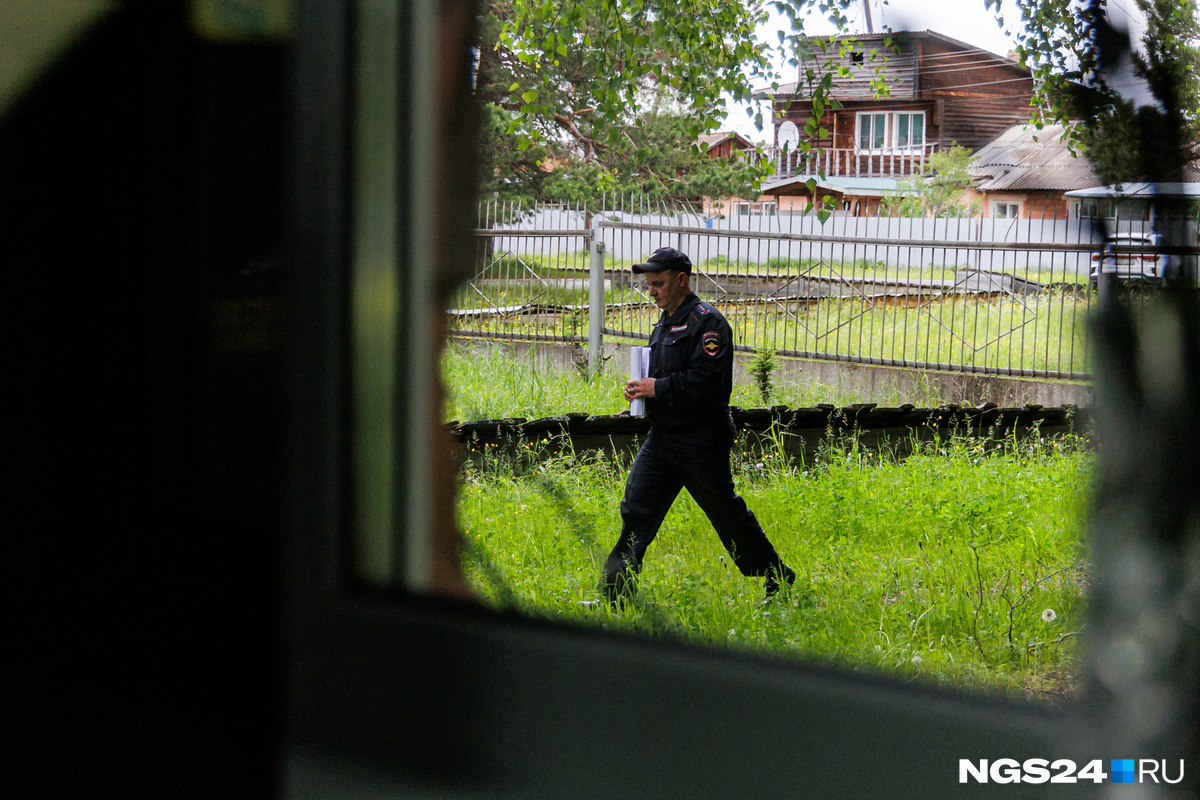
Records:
x=687, y=400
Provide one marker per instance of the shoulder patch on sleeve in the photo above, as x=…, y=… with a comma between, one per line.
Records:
x=711, y=342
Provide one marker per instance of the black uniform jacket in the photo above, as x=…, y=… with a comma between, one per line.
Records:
x=691, y=360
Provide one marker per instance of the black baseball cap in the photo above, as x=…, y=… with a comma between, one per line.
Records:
x=665, y=258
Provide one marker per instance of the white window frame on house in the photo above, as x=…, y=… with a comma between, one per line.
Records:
x=884, y=133
x=876, y=131
x=1007, y=204
x=908, y=139
x=755, y=209
x=1093, y=207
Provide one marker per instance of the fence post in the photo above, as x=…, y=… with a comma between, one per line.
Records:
x=596, y=307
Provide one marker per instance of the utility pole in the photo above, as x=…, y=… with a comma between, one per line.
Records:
x=867, y=11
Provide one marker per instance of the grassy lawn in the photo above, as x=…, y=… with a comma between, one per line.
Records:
x=1033, y=269
x=963, y=564
x=1044, y=332
x=954, y=566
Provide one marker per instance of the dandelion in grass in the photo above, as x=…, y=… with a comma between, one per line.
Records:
x=1048, y=615
x=916, y=660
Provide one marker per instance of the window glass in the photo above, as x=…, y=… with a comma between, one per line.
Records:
x=910, y=129
x=874, y=133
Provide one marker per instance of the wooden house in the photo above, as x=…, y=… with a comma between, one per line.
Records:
x=730, y=144
x=901, y=98
x=724, y=144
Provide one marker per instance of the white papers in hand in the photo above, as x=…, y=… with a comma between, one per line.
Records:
x=639, y=367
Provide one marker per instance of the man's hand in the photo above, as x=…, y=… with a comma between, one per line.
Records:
x=639, y=388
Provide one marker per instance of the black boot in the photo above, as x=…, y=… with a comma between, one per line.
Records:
x=776, y=578
x=618, y=585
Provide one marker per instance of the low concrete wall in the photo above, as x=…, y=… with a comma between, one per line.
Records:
x=860, y=383
x=801, y=433
x=873, y=384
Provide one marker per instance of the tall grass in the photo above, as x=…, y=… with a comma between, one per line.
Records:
x=962, y=564
x=957, y=565
x=484, y=381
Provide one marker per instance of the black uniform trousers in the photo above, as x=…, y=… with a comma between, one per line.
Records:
x=696, y=459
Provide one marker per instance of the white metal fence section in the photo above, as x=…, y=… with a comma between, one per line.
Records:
x=993, y=296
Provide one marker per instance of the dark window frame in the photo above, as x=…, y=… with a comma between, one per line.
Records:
x=437, y=693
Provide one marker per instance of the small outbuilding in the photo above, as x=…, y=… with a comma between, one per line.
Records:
x=1131, y=201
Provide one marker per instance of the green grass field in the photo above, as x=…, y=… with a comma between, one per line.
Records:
x=961, y=565
x=953, y=566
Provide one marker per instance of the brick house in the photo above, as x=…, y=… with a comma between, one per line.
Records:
x=1024, y=173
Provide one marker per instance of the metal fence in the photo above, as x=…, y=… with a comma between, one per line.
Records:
x=531, y=279
x=969, y=294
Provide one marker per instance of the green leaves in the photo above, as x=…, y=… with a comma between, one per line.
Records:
x=577, y=82
x=939, y=195
x=1060, y=41
x=578, y=72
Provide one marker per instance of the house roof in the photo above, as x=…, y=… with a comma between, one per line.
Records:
x=789, y=89
x=1024, y=158
x=711, y=140
x=856, y=187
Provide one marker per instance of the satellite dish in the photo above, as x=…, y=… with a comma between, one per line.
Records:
x=789, y=136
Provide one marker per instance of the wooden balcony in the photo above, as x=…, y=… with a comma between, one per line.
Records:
x=887, y=163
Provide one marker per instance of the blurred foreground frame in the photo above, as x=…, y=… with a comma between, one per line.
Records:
x=1142, y=642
